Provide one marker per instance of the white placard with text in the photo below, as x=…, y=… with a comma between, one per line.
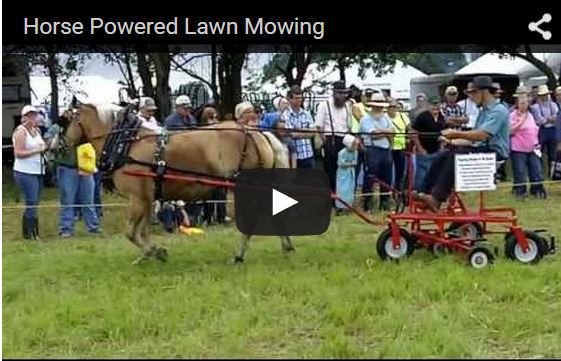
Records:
x=475, y=172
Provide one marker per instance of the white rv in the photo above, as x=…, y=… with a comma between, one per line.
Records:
x=15, y=94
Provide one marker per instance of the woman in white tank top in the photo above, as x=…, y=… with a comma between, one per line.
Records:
x=29, y=167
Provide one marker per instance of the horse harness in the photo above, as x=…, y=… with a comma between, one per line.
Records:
x=115, y=153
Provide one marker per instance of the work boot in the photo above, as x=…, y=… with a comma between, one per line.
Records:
x=35, y=228
x=26, y=227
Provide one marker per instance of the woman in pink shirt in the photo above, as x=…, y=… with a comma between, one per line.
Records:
x=524, y=145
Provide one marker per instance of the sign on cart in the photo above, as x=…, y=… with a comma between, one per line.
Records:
x=475, y=172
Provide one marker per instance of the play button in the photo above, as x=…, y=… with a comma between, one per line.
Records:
x=281, y=202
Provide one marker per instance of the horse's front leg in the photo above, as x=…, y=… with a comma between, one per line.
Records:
x=149, y=249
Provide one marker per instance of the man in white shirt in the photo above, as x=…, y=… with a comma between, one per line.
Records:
x=146, y=110
x=333, y=120
x=471, y=110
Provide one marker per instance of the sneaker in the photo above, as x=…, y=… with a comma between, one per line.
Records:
x=65, y=235
x=95, y=231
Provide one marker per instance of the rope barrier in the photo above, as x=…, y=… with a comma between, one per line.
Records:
x=358, y=194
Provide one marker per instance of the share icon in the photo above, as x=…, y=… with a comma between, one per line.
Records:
x=535, y=26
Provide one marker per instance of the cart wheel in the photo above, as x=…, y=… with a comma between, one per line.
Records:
x=439, y=250
x=537, y=246
x=480, y=257
x=385, y=248
x=472, y=230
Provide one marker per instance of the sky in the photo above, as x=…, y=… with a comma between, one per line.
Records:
x=98, y=82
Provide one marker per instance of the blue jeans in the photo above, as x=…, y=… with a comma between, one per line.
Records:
x=524, y=164
x=97, y=194
x=31, y=185
x=548, y=141
x=378, y=166
x=75, y=189
x=308, y=163
x=399, y=167
x=422, y=166
x=96, y=198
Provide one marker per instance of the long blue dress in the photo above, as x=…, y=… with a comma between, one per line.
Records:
x=346, y=164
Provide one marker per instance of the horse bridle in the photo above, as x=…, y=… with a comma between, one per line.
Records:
x=76, y=118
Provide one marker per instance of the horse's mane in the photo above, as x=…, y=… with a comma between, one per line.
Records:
x=106, y=112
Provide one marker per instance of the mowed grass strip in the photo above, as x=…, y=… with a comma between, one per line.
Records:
x=333, y=297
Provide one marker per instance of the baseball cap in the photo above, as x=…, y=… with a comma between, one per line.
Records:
x=148, y=103
x=183, y=100
x=28, y=109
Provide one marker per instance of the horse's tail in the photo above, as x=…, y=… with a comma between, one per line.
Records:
x=281, y=152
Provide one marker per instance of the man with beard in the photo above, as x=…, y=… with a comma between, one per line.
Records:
x=333, y=121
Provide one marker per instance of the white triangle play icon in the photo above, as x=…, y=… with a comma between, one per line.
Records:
x=281, y=202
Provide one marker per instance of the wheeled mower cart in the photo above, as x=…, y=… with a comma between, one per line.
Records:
x=456, y=228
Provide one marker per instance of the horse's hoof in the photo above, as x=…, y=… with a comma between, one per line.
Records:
x=139, y=260
x=238, y=259
x=289, y=249
x=161, y=254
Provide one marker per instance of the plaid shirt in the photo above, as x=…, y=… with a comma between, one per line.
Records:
x=300, y=120
x=451, y=110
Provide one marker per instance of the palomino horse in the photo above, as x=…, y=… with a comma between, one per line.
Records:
x=218, y=153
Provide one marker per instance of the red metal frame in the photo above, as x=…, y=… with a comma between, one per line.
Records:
x=455, y=211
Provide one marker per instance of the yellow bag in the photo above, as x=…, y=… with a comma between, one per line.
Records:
x=86, y=158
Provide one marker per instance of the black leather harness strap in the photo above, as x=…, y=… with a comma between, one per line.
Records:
x=248, y=134
x=159, y=166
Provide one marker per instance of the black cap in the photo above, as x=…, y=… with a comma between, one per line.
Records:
x=483, y=82
x=339, y=87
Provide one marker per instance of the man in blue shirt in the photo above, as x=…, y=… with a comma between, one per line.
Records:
x=183, y=117
x=298, y=118
x=490, y=135
x=377, y=143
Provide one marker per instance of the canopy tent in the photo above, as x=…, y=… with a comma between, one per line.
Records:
x=492, y=63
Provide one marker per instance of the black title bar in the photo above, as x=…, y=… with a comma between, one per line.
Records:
x=351, y=28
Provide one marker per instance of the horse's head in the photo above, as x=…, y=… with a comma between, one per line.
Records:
x=84, y=124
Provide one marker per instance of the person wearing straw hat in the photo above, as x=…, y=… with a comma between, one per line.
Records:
x=545, y=112
x=523, y=142
x=377, y=133
x=346, y=164
x=333, y=120
x=490, y=135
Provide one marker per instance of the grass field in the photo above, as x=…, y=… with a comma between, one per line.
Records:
x=332, y=298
